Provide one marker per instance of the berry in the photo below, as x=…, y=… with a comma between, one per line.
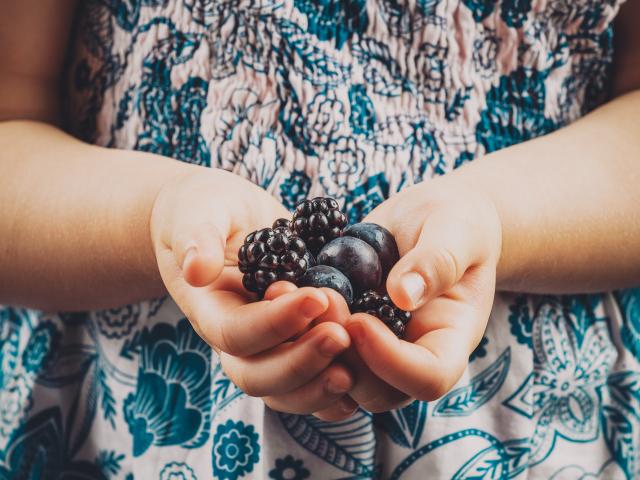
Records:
x=318, y=221
x=380, y=239
x=382, y=307
x=325, y=276
x=356, y=259
x=271, y=254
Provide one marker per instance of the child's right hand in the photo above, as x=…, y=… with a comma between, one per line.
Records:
x=198, y=222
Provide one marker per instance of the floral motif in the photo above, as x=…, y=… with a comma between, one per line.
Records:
x=171, y=404
x=294, y=189
x=520, y=320
x=514, y=12
x=572, y=359
x=364, y=198
x=629, y=301
x=341, y=169
x=288, y=468
x=235, y=450
x=172, y=115
x=485, y=51
x=480, y=351
x=336, y=20
x=41, y=347
x=118, y=322
x=480, y=9
x=15, y=400
x=177, y=471
x=363, y=115
x=325, y=119
x=515, y=111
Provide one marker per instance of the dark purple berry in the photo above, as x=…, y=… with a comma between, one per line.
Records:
x=263, y=235
x=317, y=222
x=398, y=328
x=277, y=243
x=282, y=222
x=356, y=259
x=329, y=277
x=297, y=245
x=255, y=251
x=382, y=307
x=310, y=259
x=269, y=255
x=380, y=239
x=269, y=262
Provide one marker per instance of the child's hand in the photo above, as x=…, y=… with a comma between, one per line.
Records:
x=449, y=237
x=198, y=223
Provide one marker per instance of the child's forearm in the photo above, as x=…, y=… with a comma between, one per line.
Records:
x=75, y=220
x=569, y=204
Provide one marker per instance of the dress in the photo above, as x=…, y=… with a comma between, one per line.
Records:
x=355, y=100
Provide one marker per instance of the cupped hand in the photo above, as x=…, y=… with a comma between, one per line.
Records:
x=449, y=237
x=269, y=348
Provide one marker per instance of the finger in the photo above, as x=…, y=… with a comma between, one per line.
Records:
x=320, y=393
x=239, y=328
x=369, y=391
x=340, y=410
x=288, y=366
x=426, y=369
x=337, y=311
x=278, y=289
x=445, y=249
x=199, y=250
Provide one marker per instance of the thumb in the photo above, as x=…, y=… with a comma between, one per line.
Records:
x=444, y=251
x=199, y=250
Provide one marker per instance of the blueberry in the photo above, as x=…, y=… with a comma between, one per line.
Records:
x=380, y=239
x=311, y=260
x=356, y=259
x=325, y=276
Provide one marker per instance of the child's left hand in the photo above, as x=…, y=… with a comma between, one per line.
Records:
x=449, y=237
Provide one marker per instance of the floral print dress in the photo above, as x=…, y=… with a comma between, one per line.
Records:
x=355, y=100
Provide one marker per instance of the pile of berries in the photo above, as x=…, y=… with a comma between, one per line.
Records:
x=318, y=249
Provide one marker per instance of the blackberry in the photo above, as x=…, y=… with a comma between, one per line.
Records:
x=318, y=221
x=382, y=307
x=271, y=254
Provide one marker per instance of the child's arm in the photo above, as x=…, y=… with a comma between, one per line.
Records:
x=69, y=212
x=84, y=227
x=557, y=214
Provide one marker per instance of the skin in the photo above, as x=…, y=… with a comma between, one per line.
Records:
x=120, y=227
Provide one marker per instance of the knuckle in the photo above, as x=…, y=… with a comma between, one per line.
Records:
x=248, y=387
x=226, y=341
x=446, y=266
x=299, y=370
x=279, y=329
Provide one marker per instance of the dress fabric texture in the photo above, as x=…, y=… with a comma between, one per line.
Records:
x=354, y=100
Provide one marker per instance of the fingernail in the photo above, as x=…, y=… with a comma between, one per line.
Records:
x=191, y=253
x=413, y=285
x=329, y=347
x=356, y=331
x=311, y=308
x=338, y=385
